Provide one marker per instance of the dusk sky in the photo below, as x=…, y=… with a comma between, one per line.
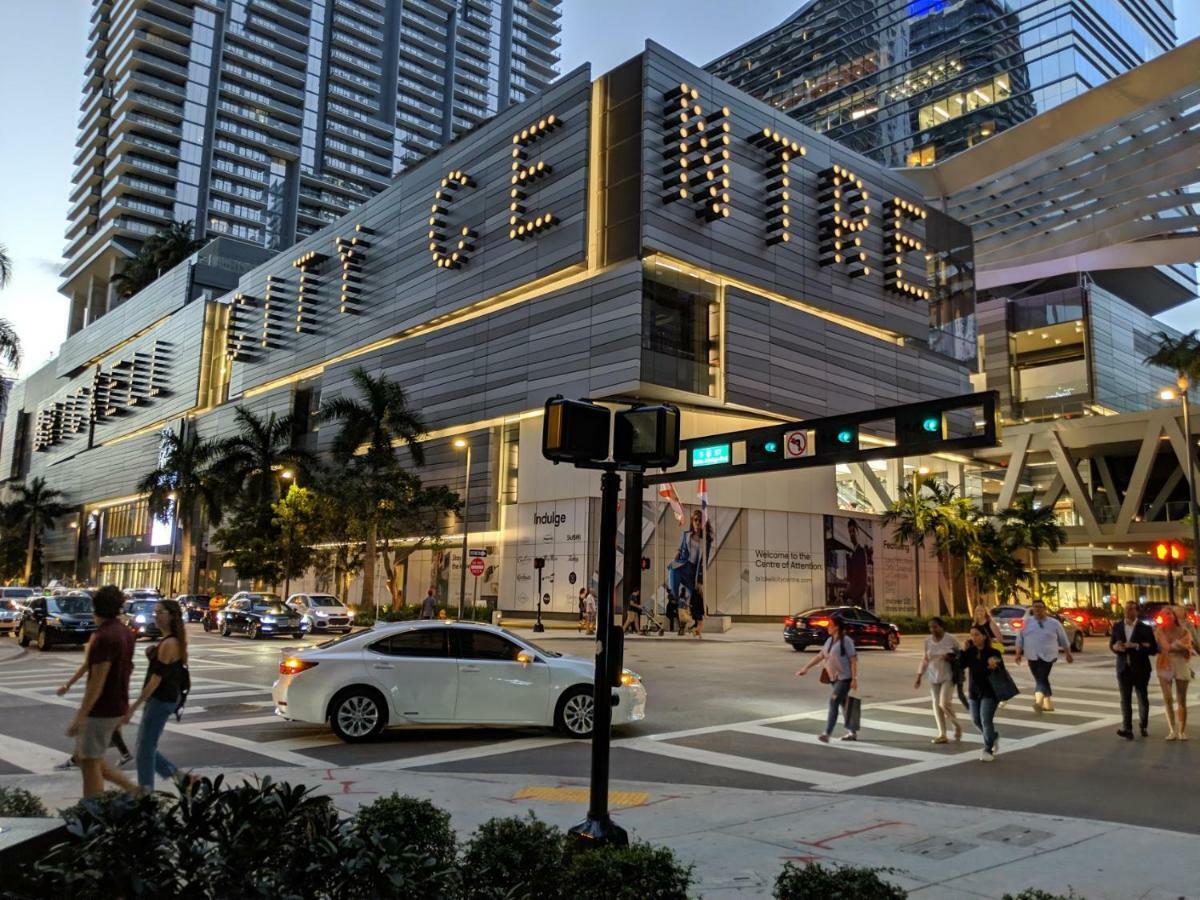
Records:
x=41, y=63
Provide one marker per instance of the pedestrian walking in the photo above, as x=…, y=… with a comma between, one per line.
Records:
x=940, y=652
x=429, y=605
x=1173, y=668
x=839, y=661
x=671, y=611
x=589, y=611
x=117, y=740
x=633, y=613
x=696, y=608
x=1133, y=642
x=980, y=659
x=1039, y=640
x=106, y=699
x=160, y=692
x=981, y=616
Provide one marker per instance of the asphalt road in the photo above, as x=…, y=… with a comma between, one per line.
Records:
x=719, y=713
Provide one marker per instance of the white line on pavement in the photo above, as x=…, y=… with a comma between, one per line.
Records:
x=432, y=759
x=27, y=755
x=726, y=761
x=1021, y=723
x=853, y=746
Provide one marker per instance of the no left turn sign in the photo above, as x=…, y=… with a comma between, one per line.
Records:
x=797, y=444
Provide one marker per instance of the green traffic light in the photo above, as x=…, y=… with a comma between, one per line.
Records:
x=770, y=447
x=931, y=424
x=845, y=436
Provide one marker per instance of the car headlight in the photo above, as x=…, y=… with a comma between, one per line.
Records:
x=629, y=678
x=268, y=620
x=141, y=620
x=322, y=615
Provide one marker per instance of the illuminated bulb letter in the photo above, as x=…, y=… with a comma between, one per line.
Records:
x=782, y=153
x=844, y=217
x=697, y=154
x=899, y=240
x=522, y=223
x=450, y=248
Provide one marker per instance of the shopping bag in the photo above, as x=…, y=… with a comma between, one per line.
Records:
x=1002, y=684
x=853, y=712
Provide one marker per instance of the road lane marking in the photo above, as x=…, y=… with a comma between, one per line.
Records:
x=694, y=755
x=36, y=758
x=1020, y=723
x=853, y=746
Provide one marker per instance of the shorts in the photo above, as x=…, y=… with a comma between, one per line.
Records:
x=94, y=737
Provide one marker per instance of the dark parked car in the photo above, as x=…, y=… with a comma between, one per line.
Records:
x=138, y=616
x=1092, y=620
x=194, y=606
x=65, y=619
x=1152, y=614
x=258, y=615
x=1011, y=619
x=809, y=628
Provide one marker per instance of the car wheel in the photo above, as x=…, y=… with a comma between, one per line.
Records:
x=44, y=641
x=226, y=631
x=23, y=637
x=253, y=632
x=1077, y=642
x=893, y=641
x=576, y=712
x=357, y=715
x=799, y=648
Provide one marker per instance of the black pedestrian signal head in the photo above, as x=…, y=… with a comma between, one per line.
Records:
x=835, y=437
x=645, y=563
x=764, y=449
x=539, y=562
x=647, y=437
x=575, y=431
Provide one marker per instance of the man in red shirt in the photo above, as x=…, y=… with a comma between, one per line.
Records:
x=106, y=700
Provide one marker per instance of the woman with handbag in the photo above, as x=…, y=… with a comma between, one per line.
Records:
x=1173, y=667
x=983, y=662
x=980, y=616
x=940, y=650
x=840, y=670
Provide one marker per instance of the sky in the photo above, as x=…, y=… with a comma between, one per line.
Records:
x=42, y=47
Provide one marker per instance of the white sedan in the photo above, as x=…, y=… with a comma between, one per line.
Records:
x=441, y=673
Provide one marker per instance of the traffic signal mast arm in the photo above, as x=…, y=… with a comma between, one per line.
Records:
x=920, y=428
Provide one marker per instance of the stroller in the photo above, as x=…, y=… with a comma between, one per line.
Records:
x=651, y=624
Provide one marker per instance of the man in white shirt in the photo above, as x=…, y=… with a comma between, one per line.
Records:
x=1039, y=640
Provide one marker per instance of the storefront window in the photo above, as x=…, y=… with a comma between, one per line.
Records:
x=680, y=325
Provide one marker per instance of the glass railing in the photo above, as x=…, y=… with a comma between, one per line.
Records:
x=1102, y=404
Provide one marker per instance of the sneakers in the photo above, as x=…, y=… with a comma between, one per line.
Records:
x=984, y=756
x=1145, y=732
x=940, y=739
x=824, y=738
x=1047, y=705
x=126, y=759
x=995, y=746
x=66, y=764
x=849, y=736
x=1128, y=735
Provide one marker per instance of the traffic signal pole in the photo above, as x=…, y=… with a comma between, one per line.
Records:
x=599, y=828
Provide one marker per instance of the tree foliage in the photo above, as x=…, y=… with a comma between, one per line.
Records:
x=1181, y=355
x=158, y=254
x=34, y=508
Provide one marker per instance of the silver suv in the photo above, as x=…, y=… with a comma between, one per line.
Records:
x=324, y=613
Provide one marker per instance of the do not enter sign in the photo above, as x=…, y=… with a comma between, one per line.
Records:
x=477, y=566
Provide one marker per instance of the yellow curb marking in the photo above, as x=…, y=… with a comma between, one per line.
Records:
x=580, y=795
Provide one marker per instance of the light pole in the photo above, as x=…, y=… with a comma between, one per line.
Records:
x=916, y=489
x=1193, y=509
x=464, y=444
x=174, y=534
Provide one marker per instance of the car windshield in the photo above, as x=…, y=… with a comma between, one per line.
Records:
x=323, y=600
x=273, y=607
x=71, y=606
x=1009, y=612
x=538, y=647
x=18, y=593
x=260, y=598
x=140, y=607
x=333, y=642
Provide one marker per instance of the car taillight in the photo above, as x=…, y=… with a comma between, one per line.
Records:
x=1018, y=624
x=819, y=623
x=1158, y=620
x=1078, y=618
x=789, y=620
x=294, y=666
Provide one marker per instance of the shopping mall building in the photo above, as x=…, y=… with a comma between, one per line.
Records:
x=651, y=234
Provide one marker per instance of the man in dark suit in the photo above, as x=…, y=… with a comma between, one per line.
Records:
x=1133, y=643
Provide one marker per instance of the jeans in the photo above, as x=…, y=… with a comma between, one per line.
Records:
x=149, y=760
x=1040, y=670
x=942, y=698
x=837, y=701
x=983, y=709
x=1128, y=682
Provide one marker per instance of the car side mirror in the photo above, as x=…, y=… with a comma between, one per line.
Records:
x=524, y=658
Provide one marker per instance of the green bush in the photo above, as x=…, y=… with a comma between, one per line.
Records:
x=1036, y=894
x=417, y=841
x=513, y=857
x=920, y=624
x=636, y=872
x=19, y=803
x=816, y=882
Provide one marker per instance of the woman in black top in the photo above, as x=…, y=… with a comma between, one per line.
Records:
x=160, y=692
x=979, y=659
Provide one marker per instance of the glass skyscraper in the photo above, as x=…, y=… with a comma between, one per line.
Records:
x=265, y=120
x=911, y=82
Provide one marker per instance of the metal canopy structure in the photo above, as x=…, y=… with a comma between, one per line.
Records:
x=1105, y=181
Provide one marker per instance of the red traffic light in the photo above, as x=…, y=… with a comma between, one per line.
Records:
x=1168, y=551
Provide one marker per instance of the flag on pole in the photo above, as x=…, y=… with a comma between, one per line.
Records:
x=667, y=492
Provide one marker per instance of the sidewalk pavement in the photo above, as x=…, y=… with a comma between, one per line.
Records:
x=739, y=840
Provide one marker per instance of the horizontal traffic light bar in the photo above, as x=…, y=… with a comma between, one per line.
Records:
x=919, y=429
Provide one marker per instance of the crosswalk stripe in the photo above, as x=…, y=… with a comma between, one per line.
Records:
x=1021, y=723
x=853, y=746
x=726, y=761
x=35, y=758
x=465, y=753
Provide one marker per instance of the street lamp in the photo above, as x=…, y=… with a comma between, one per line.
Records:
x=464, y=444
x=174, y=534
x=1193, y=508
x=287, y=474
x=916, y=490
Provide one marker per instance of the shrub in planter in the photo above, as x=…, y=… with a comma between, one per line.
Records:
x=513, y=857
x=413, y=844
x=19, y=803
x=637, y=872
x=1037, y=894
x=816, y=882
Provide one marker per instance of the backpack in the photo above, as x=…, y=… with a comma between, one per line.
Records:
x=185, y=688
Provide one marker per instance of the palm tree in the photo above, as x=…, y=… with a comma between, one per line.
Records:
x=163, y=251
x=185, y=484
x=34, y=508
x=912, y=517
x=10, y=344
x=379, y=419
x=5, y=267
x=250, y=464
x=1027, y=526
x=1181, y=355
x=996, y=569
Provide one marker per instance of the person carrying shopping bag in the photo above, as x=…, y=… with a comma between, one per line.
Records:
x=839, y=661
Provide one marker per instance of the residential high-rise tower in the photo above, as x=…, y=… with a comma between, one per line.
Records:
x=266, y=119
